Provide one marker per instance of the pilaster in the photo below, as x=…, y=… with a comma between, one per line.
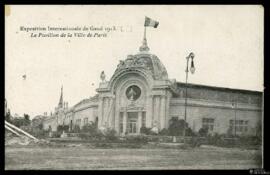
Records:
x=162, y=112
x=100, y=112
x=149, y=112
x=139, y=121
x=125, y=122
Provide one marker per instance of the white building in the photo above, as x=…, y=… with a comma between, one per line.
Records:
x=140, y=94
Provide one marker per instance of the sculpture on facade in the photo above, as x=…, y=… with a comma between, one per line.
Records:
x=131, y=94
x=102, y=76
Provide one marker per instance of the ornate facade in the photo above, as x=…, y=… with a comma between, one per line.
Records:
x=140, y=94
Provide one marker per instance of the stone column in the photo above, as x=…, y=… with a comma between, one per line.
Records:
x=167, y=114
x=139, y=121
x=125, y=122
x=104, y=110
x=149, y=111
x=116, y=116
x=162, y=112
x=100, y=112
x=154, y=113
x=157, y=109
x=112, y=116
x=108, y=115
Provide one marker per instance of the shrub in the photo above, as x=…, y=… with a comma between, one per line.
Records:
x=84, y=136
x=20, y=121
x=110, y=135
x=230, y=133
x=140, y=139
x=216, y=139
x=239, y=141
x=8, y=116
x=176, y=127
x=164, y=132
x=203, y=132
x=145, y=130
x=193, y=142
x=61, y=128
x=153, y=133
x=97, y=135
x=250, y=140
x=26, y=128
x=56, y=134
x=35, y=131
x=153, y=138
x=39, y=133
x=89, y=127
x=76, y=129
x=189, y=132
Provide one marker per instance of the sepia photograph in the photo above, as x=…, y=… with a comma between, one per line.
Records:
x=134, y=87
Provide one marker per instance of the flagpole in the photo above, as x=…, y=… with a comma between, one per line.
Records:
x=144, y=36
x=144, y=46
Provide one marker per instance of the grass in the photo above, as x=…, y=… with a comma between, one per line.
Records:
x=85, y=158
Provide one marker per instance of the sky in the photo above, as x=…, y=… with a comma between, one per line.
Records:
x=227, y=42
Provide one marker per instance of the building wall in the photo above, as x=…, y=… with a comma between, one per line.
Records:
x=84, y=109
x=50, y=123
x=222, y=112
x=90, y=113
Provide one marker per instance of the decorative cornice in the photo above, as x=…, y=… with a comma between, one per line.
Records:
x=213, y=104
x=86, y=107
x=144, y=73
x=132, y=61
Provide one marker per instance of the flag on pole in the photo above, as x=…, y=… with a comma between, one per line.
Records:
x=150, y=22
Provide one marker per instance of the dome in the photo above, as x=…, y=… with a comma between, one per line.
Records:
x=146, y=61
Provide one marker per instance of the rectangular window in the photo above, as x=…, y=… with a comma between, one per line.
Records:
x=78, y=122
x=132, y=125
x=121, y=122
x=70, y=126
x=240, y=126
x=143, y=119
x=208, y=123
x=85, y=121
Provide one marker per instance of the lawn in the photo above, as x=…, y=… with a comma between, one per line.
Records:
x=84, y=158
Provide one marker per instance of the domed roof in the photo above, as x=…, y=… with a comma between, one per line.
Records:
x=146, y=61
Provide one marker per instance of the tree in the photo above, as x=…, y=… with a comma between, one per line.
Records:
x=90, y=128
x=40, y=126
x=61, y=128
x=203, y=132
x=145, y=130
x=8, y=116
x=27, y=120
x=18, y=121
x=176, y=127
